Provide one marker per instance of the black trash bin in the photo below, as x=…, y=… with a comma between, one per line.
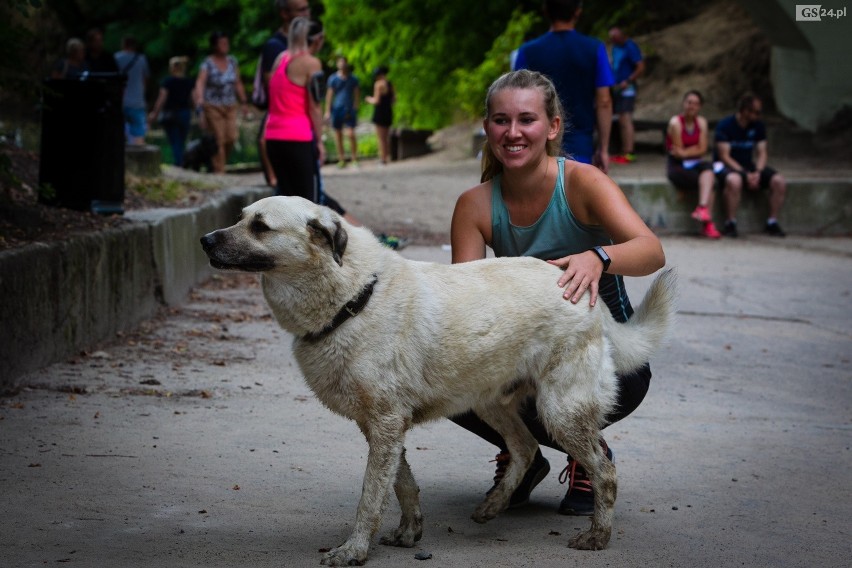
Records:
x=82, y=143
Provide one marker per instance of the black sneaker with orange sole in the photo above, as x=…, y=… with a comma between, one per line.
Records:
x=537, y=471
x=579, y=501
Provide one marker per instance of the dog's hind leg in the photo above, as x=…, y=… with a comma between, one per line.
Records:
x=410, y=527
x=572, y=402
x=522, y=447
x=385, y=438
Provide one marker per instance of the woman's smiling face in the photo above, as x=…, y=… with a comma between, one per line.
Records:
x=518, y=127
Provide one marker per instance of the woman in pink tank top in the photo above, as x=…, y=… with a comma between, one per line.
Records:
x=293, y=131
x=686, y=144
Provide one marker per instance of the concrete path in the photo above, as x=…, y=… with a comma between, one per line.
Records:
x=194, y=441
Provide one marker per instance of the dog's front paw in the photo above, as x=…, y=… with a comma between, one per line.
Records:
x=402, y=538
x=406, y=535
x=345, y=555
x=592, y=539
x=487, y=510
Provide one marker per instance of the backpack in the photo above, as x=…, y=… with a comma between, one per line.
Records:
x=259, y=96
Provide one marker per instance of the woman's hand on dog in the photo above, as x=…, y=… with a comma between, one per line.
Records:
x=582, y=272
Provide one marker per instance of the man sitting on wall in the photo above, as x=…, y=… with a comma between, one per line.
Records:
x=741, y=149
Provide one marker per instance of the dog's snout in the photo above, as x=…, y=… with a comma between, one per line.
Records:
x=208, y=241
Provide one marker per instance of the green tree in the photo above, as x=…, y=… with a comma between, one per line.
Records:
x=15, y=72
x=15, y=75
x=423, y=42
x=165, y=28
x=442, y=55
x=471, y=84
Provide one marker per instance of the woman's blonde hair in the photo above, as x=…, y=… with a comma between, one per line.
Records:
x=303, y=33
x=177, y=65
x=297, y=36
x=523, y=79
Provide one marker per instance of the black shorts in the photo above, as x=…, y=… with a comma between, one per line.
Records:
x=685, y=178
x=622, y=104
x=765, y=177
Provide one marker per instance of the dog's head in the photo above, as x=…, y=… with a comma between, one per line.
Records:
x=278, y=232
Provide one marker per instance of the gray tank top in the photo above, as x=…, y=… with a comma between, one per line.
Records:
x=557, y=233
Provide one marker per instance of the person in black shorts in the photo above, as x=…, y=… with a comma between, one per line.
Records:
x=382, y=98
x=741, y=158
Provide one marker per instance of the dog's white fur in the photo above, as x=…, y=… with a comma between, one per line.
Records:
x=437, y=340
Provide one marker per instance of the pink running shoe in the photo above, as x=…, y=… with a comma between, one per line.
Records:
x=710, y=231
x=701, y=214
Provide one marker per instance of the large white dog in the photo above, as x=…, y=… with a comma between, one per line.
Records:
x=390, y=343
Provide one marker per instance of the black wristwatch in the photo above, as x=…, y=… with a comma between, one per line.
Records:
x=603, y=256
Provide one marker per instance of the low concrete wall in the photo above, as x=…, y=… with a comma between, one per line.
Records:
x=179, y=261
x=143, y=161
x=62, y=297
x=818, y=207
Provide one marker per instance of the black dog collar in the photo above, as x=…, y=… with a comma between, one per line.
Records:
x=351, y=309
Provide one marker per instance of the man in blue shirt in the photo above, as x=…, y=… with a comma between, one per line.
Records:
x=342, y=99
x=579, y=68
x=741, y=149
x=628, y=65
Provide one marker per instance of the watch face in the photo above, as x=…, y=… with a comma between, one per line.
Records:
x=603, y=256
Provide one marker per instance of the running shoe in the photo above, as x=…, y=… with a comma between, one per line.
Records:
x=395, y=243
x=537, y=471
x=729, y=229
x=701, y=214
x=774, y=230
x=710, y=231
x=579, y=501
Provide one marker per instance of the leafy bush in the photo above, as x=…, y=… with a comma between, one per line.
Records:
x=471, y=84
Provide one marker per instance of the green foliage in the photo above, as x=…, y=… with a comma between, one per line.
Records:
x=471, y=84
x=165, y=28
x=368, y=145
x=160, y=190
x=47, y=193
x=423, y=42
x=15, y=72
x=442, y=55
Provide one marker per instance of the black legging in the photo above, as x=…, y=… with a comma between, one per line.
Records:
x=632, y=389
x=297, y=167
x=294, y=165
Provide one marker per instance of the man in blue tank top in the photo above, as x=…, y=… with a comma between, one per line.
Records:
x=579, y=68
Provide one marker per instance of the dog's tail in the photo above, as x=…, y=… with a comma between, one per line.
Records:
x=635, y=341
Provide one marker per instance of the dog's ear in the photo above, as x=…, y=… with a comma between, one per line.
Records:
x=333, y=233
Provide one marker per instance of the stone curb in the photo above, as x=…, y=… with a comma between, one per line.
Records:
x=62, y=297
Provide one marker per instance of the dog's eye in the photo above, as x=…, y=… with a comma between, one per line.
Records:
x=258, y=226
